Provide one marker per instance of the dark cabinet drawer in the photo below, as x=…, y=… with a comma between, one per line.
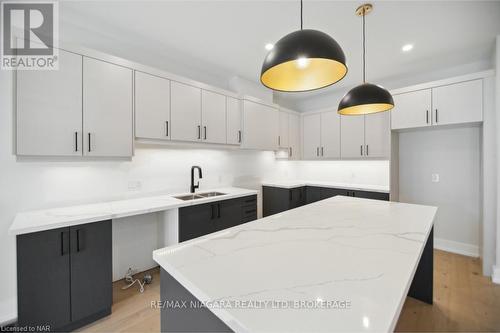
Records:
x=199, y=220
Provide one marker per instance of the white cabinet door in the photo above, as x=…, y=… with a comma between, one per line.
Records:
x=49, y=109
x=311, y=133
x=412, y=109
x=294, y=136
x=260, y=126
x=352, y=136
x=185, y=112
x=283, y=131
x=233, y=121
x=378, y=135
x=458, y=103
x=107, y=109
x=152, y=106
x=213, y=117
x=330, y=135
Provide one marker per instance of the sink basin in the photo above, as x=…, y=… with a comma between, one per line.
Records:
x=187, y=197
x=195, y=196
x=210, y=194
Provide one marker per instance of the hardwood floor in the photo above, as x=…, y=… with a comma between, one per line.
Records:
x=464, y=301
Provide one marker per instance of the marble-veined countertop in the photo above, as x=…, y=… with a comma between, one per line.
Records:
x=360, y=252
x=319, y=183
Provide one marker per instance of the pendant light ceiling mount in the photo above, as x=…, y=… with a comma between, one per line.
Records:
x=303, y=60
x=366, y=98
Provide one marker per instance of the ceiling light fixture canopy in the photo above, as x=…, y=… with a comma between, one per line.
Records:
x=366, y=98
x=303, y=60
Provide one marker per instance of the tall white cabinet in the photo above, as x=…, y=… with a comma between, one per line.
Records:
x=260, y=126
x=152, y=107
x=107, y=109
x=321, y=135
x=233, y=121
x=213, y=117
x=49, y=109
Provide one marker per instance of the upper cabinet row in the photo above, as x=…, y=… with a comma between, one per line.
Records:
x=327, y=135
x=82, y=109
x=170, y=110
x=445, y=105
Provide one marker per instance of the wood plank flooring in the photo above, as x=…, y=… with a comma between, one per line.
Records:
x=464, y=301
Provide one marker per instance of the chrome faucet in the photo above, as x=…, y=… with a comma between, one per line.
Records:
x=193, y=186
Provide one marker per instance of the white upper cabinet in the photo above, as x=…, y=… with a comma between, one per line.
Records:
x=330, y=135
x=213, y=116
x=152, y=106
x=458, y=103
x=185, y=112
x=233, y=121
x=294, y=136
x=311, y=134
x=49, y=109
x=378, y=135
x=412, y=109
x=283, y=131
x=107, y=109
x=260, y=126
x=352, y=131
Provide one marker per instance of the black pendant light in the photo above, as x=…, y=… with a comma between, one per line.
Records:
x=303, y=60
x=366, y=98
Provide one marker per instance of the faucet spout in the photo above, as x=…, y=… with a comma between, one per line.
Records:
x=193, y=186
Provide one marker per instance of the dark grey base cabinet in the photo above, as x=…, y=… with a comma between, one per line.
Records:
x=64, y=276
x=315, y=193
x=198, y=220
x=277, y=200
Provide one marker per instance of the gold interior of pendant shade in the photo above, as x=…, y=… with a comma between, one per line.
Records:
x=318, y=73
x=366, y=109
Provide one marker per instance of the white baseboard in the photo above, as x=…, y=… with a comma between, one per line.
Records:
x=456, y=247
x=495, y=277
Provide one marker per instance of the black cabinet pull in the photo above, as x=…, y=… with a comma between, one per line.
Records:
x=64, y=247
x=77, y=240
x=76, y=141
x=239, y=136
x=426, y=116
x=367, y=150
x=212, y=214
x=361, y=150
x=218, y=210
x=290, y=151
x=205, y=130
x=353, y=193
x=90, y=145
x=436, y=116
x=290, y=195
x=317, y=151
x=199, y=132
x=166, y=128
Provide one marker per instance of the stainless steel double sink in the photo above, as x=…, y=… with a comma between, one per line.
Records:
x=194, y=196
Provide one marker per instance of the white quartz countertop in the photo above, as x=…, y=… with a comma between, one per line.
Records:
x=46, y=219
x=341, y=249
x=347, y=186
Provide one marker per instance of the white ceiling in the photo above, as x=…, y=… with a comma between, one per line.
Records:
x=227, y=38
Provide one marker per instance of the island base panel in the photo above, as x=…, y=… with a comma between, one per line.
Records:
x=178, y=314
x=422, y=285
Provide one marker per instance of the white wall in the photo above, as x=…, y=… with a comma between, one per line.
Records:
x=354, y=172
x=454, y=154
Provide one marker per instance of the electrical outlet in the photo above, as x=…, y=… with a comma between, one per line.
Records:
x=134, y=185
x=435, y=177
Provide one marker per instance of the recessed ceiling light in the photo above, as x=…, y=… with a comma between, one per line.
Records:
x=407, y=47
x=269, y=46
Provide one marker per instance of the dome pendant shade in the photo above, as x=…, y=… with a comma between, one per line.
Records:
x=303, y=60
x=365, y=99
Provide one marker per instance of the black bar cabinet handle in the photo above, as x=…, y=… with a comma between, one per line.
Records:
x=218, y=210
x=436, y=116
x=76, y=141
x=199, y=132
x=166, y=128
x=77, y=240
x=90, y=145
x=205, y=129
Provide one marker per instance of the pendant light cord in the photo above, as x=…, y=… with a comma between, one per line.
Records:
x=301, y=15
x=364, y=49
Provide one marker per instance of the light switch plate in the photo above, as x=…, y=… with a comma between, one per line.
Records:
x=435, y=178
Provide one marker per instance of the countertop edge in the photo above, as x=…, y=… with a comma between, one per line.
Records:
x=359, y=187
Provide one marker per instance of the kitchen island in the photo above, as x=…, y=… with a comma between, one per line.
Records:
x=340, y=264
